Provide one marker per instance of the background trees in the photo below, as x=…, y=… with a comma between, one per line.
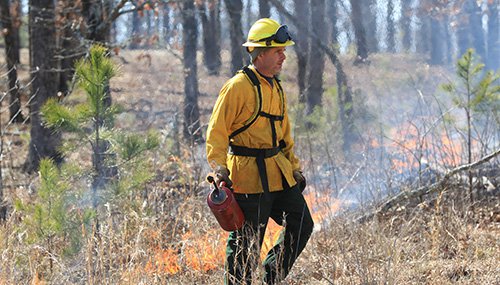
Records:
x=45, y=81
x=366, y=28
x=234, y=9
x=10, y=28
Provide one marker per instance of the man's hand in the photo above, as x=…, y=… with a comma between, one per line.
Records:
x=300, y=179
x=222, y=174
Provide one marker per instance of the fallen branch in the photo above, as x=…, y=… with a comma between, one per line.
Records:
x=424, y=190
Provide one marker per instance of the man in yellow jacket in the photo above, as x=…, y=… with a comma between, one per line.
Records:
x=250, y=148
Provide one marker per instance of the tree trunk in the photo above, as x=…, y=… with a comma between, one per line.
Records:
x=248, y=15
x=493, y=62
x=16, y=14
x=93, y=13
x=476, y=28
x=135, y=31
x=70, y=47
x=302, y=46
x=44, y=142
x=149, y=24
x=448, y=40
x=463, y=33
x=369, y=22
x=333, y=15
x=314, y=90
x=391, y=30
x=424, y=41
x=234, y=9
x=265, y=9
x=406, y=14
x=359, y=32
x=166, y=23
x=12, y=59
x=211, y=43
x=192, y=131
x=437, y=41
x=346, y=106
x=215, y=27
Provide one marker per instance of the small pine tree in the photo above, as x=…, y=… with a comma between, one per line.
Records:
x=54, y=218
x=91, y=122
x=51, y=220
x=94, y=75
x=478, y=95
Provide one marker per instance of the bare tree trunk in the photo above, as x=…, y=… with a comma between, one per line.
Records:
x=16, y=14
x=333, y=15
x=346, y=106
x=234, y=9
x=12, y=59
x=302, y=46
x=149, y=25
x=70, y=47
x=406, y=14
x=476, y=27
x=437, y=41
x=211, y=37
x=265, y=9
x=424, y=41
x=44, y=142
x=192, y=131
x=391, y=30
x=447, y=36
x=493, y=62
x=463, y=33
x=215, y=27
x=359, y=32
x=135, y=31
x=248, y=15
x=94, y=14
x=314, y=90
x=166, y=23
x=369, y=21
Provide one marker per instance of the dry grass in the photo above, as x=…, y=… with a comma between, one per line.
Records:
x=166, y=235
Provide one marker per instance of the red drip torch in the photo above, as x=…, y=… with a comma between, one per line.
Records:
x=224, y=207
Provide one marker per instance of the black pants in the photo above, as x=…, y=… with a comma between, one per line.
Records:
x=287, y=208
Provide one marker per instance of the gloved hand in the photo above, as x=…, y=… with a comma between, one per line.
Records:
x=300, y=179
x=222, y=174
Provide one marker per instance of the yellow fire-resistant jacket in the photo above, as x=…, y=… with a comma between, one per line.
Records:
x=236, y=103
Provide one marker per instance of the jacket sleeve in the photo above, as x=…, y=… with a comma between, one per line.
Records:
x=287, y=137
x=219, y=127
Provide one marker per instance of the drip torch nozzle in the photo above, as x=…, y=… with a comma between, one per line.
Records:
x=211, y=180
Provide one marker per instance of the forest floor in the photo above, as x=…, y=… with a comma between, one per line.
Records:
x=173, y=239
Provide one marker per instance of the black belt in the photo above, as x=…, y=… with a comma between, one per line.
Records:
x=260, y=154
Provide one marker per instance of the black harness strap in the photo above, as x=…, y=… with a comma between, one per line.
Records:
x=256, y=83
x=260, y=154
x=273, y=119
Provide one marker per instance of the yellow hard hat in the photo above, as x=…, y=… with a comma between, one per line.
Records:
x=268, y=33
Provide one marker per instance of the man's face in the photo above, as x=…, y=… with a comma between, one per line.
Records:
x=271, y=61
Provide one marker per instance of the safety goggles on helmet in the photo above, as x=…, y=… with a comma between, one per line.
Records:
x=281, y=36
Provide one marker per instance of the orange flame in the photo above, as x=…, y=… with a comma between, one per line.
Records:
x=206, y=252
x=164, y=260
x=412, y=147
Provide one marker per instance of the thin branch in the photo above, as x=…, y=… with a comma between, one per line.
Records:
x=402, y=196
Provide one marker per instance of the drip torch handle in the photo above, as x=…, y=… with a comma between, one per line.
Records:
x=211, y=180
